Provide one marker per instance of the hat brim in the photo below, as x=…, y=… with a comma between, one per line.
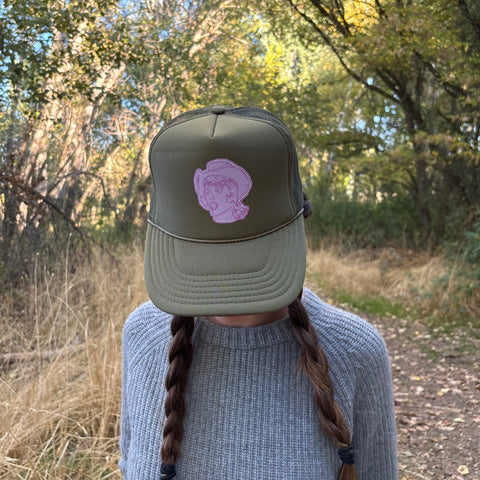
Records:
x=195, y=279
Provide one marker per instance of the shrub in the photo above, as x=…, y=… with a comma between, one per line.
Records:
x=362, y=223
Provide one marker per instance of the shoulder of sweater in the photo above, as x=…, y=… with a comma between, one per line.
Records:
x=147, y=327
x=344, y=333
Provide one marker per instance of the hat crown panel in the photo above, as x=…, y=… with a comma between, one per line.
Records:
x=254, y=145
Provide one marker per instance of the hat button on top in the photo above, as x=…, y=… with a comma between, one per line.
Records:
x=218, y=109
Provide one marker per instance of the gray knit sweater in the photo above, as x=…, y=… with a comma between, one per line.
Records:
x=250, y=413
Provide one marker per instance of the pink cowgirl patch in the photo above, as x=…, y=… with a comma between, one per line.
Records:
x=220, y=189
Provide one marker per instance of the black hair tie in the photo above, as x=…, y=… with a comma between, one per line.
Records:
x=347, y=454
x=168, y=471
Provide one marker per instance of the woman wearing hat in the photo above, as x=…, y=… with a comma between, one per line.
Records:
x=233, y=370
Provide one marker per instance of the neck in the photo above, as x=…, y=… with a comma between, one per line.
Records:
x=254, y=320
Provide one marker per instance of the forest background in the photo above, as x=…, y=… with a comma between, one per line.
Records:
x=382, y=98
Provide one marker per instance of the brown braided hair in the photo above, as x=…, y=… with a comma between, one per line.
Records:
x=180, y=358
x=314, y=363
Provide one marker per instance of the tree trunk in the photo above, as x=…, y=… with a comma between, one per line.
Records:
x=9, y=223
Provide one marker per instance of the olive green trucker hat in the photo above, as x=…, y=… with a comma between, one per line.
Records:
x=225, y=233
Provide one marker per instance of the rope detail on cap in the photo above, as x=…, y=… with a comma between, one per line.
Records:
x=347, y=454
x=168, y=472
x=232, y=240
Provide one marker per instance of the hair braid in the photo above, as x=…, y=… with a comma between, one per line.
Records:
x=315, y=364
x=180, y=358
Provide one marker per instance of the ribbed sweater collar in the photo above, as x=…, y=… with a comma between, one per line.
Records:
x=266, y=335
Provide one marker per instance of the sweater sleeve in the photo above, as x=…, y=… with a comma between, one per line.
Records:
x=145, y=333
x=374, y=432
x=125, y=423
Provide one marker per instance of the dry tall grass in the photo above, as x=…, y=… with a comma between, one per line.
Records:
x=59, y=416
x=425, y=283
x=60, y=403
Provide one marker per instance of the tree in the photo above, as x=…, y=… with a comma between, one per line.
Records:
x=423, y=59
x=86, y=87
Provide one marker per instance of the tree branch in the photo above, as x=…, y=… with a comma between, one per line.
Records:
x=453, y=90
x=342, y=28
x=37, y=195
x=350, y=72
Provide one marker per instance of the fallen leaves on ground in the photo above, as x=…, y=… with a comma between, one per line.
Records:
x=437, y=400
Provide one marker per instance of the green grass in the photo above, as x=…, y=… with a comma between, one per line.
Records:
x=377, y=306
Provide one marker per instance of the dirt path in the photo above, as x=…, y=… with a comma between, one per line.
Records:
x=437, y=400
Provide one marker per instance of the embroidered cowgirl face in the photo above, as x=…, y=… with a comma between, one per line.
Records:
x=220, y=193
x=220, y=189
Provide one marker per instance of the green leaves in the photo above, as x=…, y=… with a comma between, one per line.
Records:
x=421, y=61
x=382, y=98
